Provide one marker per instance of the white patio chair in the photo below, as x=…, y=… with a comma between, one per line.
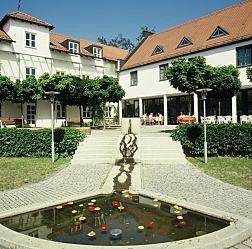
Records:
x=243, y=119
x=228, y=119
x=211, y=119
x=249, y=119
x=201, y=119
x=220, y=120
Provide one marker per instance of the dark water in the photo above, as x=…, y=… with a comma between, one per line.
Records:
x=64, y=226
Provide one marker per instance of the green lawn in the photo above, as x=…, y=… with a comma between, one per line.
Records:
x=15, y=172
x=228, y=169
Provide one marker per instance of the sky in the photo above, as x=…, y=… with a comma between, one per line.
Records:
x=91, y=19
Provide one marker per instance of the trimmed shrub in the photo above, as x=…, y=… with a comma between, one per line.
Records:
x=222, y=139
x=37, y=143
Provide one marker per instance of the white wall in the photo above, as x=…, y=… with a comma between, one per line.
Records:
x=148, y=75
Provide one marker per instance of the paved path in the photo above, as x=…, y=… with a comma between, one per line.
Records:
x=182, y=181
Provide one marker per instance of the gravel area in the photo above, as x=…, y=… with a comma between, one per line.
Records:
x=185, y=182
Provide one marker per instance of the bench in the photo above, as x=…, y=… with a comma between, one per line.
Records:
x=10, y=121
x=73, y=121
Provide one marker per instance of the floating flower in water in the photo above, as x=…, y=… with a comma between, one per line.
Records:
x=90, y=204
x=150, y=224
x=77, y=223
x=93, y=201
x=181, y=223
x=104, y=228
x=155, y=205
x=116, y=233
x=155, y=200
x=81, y=205
x=140, y=228
x=74, y=211
x=82, y=218
x=115, y=203
x=76, y=218
x=121, y=208
x=91, y=209
x=180, y=217
x=231, y=222
x=91, y=234
x=177, y=212
x=97, y=209
x=70, y=203
x=59, y=207
x=180, y=208
x=124, y=191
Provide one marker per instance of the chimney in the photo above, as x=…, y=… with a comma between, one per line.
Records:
x=147, y=33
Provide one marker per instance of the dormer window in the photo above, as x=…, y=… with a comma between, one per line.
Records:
x=73, y=47
x=218, y=32
x=158, y=49
x=97, y=52
x=184, y=42
x=30, y=40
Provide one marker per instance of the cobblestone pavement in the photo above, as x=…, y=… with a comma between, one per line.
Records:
x=72, y=180
x=185, y=182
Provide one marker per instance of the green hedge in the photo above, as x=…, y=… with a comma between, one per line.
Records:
x=37, y=143
x=223, y=139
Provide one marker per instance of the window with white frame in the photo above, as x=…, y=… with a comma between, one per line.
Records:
x=97, y=52
x=30, y=40
x=87, y=112
x=162, y=72
x=108, y=112
x=133, y=78
x=61, y=111
x=73, y=47
x=60, y=73
x=30, y=71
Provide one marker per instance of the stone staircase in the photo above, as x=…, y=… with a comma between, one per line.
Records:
x=157, y=147
x=100, y=147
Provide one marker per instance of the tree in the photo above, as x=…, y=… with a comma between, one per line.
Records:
x=144, y=29
x=28, y=90
x=188, y=76
x=225, y=83
x=6, y=88
x=125, y=43
x=249, y=73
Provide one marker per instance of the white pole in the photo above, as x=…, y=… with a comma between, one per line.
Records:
x=53, y=154
x=205, y=135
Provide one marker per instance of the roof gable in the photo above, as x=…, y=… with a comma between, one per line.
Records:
x=26, y=18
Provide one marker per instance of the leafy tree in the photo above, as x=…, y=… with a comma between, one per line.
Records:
x=125, y=43
x=144, y=29
x=188, y=76
x=6, y=88
x=249, y=73
x=28, y=90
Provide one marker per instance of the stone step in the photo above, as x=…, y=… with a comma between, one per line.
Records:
x=162, y=155
x=93, y=161
x=95, y=155
x=161, y=150
x=157, y=161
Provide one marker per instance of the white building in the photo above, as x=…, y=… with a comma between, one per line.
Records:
x=28, y=47
x=223, y=38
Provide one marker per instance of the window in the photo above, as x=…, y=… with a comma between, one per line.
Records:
x=218, y=32
x=244, y=55
x=73, y=47
x=158, y=49
x=0, y=109
x=97, y=52
x=84, y=76
x=30, y=40
x=87, y=112
x=133, y=78
x=60, y=73
x=184, y=42
x=30, y=71
x=162, y=72
x=61, y=111
x=108, y=112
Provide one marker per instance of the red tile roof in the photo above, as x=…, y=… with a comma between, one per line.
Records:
x=4, y=36
x=109, y=52
x=25, y=17
x=235, y=20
